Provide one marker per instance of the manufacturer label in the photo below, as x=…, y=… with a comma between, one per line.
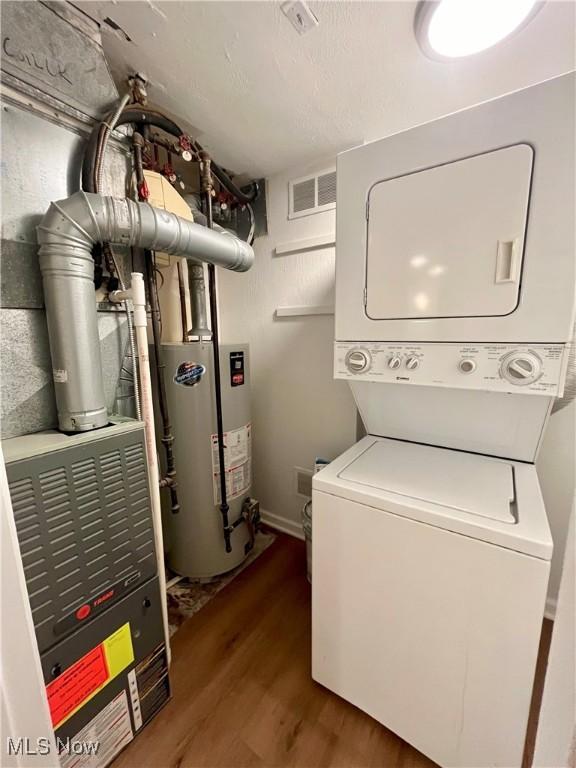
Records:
x=60, y=375
x=189, y=373
x=98, y=603
x=110, y=730
x=237, y=462
x=87, y=676
x=236, y=369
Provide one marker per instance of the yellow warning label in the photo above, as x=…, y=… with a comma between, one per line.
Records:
x=89, y=675
x=119, y=651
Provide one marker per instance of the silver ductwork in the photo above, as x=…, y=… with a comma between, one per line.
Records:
x=198, y=314
x=196, y=282
x=66, y=236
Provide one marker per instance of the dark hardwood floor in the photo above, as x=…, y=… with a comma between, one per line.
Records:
x=242, y=691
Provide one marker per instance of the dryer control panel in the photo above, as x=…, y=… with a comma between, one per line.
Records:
x=534, y=369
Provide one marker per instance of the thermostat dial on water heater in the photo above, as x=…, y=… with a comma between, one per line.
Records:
x=521, y=368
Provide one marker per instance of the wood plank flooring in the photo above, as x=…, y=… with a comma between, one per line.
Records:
x=242, y=691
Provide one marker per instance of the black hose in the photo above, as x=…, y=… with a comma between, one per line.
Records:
x=169, y=480
x=229, y=185
x=146, y=116
x=224, y=508
x=182, y=292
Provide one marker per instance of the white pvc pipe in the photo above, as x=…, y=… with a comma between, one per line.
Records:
x=140, y=326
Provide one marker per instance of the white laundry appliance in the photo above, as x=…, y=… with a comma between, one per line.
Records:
x=454, y=306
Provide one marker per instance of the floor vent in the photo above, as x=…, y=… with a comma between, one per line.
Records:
x=312, y=194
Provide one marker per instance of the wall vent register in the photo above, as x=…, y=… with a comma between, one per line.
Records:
x=312, y=194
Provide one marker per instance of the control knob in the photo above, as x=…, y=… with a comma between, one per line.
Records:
x=466, y=365
x=358, y=360
x=412, y=363
x=394, y=362
x=521, y=368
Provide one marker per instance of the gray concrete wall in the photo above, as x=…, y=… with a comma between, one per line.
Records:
x=44, y=130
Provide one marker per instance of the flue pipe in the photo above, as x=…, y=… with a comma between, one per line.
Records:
x=66, y=235
x=197, y=288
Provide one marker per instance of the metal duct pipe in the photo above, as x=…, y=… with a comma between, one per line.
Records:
x=197, y=290
x=196, y=282
x=66, y=236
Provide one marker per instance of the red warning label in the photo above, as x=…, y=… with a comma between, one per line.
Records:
x=76, y=684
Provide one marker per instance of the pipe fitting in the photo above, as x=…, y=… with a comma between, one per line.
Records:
x=205, y=171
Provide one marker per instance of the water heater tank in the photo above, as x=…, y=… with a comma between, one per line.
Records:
x=194, y=537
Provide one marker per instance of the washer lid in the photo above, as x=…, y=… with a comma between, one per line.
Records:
x=497, y=501
x=462, y=481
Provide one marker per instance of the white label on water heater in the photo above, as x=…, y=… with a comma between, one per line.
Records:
x=237, y=462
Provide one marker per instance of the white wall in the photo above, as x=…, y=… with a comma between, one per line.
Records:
x=298, y=410
x=556, y=466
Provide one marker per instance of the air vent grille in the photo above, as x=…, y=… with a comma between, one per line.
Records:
x=327, y=188
x=84, y=524
x=312, y=194
x=303, y=482
x=304, y=195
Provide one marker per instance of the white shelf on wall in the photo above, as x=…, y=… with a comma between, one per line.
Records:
x=302, y=311
x=306, y=244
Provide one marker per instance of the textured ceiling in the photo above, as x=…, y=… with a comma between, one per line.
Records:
x=264, y=99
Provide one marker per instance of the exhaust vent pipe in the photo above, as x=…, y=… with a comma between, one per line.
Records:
x=197, y=289
x=66, y=235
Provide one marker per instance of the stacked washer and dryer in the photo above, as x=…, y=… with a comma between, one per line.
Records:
x=454, y=309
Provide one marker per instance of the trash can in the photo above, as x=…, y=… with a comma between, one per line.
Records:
x=307, y=527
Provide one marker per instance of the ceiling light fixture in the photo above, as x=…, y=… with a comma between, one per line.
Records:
x=448, y=29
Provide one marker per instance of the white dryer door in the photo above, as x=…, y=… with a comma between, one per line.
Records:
x=449, y=241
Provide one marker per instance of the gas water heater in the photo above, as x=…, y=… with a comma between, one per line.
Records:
x=195, y=535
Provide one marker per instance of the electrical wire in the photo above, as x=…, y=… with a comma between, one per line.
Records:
x=108, y=126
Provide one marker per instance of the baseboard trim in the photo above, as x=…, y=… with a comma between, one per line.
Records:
x=550, y=609
x=282, y=524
